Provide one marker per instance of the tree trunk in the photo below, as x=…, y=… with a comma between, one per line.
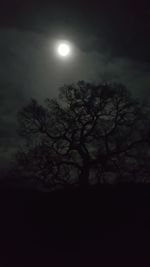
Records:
x=84, y=176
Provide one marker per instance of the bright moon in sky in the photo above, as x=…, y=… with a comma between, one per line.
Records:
x=63, y=49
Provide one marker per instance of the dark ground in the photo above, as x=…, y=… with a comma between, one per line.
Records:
x=101, y=226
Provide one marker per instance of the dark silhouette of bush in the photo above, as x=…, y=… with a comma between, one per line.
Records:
x=90, y=134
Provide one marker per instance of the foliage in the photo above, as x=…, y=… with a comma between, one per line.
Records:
x=91, y=133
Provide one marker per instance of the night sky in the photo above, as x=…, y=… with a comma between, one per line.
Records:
x=111, y=41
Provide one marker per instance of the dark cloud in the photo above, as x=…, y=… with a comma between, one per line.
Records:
x=121, y=26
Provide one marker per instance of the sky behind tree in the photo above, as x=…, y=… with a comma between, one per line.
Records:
x=111, y=40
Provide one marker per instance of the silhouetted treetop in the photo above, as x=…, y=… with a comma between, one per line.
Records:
x=91, y=133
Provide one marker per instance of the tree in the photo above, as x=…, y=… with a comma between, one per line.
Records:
x=91, y=133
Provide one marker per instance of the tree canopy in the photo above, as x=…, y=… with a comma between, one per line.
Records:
x=90, y=133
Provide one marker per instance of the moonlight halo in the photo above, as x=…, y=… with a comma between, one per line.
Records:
x=63, y=49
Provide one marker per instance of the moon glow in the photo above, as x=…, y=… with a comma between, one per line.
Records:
x=63, y=50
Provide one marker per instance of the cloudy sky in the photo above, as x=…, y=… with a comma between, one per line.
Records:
x=111, y=42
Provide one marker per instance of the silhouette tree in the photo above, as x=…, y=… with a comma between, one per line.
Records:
x=91, y=133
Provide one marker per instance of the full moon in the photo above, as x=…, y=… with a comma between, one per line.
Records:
x=63, y=49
